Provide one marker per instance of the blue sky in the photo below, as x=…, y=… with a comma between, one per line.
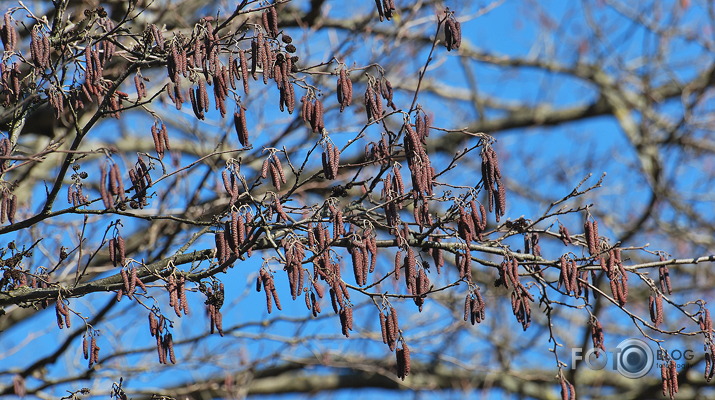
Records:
x=543, y=155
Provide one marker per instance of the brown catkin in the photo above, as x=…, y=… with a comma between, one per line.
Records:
x=564, y=389
x=141, y=284
x=344, y=322
x=170, y=345
x=59, y=314
x=276, y=300
x=672, y=367
x=595, y=236
x=239, y=119
x=659, y=309
x=403, y=361
x=335, y=160
x=383, y=327
x=125, y=279
x=94, y=351
x=219, y=241
x=398, y=264
x=588, y=234
x=132, y=281
x=121, y=250
x=112, y=247
x=317, y=121
x=665, y=379
x=85, y=347
x=153, y=324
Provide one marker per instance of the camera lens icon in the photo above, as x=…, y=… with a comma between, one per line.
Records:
x=634, y=358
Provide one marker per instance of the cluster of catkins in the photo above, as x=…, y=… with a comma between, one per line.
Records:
x=521, y=299
x=418, y=161
x=114, y=185
x=231, y=242
x=214, y=302
x=230, y=183
x=568, y=392
x=62, y=312
x=265, y=280
x=141, y=181
x=160, y=136
x=294, y=254
x=8, y=206
x=452, y=32
x=90, y=350
x=597, y=335
x=164, y=339
x=130, y=281
x=363, y=253
x=273, y=165
x=117, y=250
x=669, y=377
x=177, y=294
x=95, y=55
x=613, y=266
x=344, y=90
x=331, y=160
x=474, y=306
x=326, y=269
x=390, y=336
x=312, y=113
x=472, y=223
x=568, y=278
x=491, y=179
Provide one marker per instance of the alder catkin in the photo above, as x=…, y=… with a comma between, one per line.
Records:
x=85, y=347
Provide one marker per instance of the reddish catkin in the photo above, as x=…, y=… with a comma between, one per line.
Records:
x=403, y=361
x=564, y=235
x=158, y=143
x=227, y=182
x=664, y=278
x=595, y=237
x=157, y=35
x=121, y=250
x=597, y=336
x=85, y=347
x=59, y=314
x=308, y=303
x=139, y=283
x=344, y=321
x=393, y=328
x=265, y=167
x=239, y=119
x=182, y=295
x=673, y=372
x=383, y=327
x=153, y=324
x=588, y=234
x=160, y=350
x=710, y=363
x=315, y=304
x=125, y=280
x=170, y=346
x=335, y=160
x=94, y=351
x=112, y=248
x=317, y=122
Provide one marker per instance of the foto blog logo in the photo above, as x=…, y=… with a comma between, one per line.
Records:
x=632, y=358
